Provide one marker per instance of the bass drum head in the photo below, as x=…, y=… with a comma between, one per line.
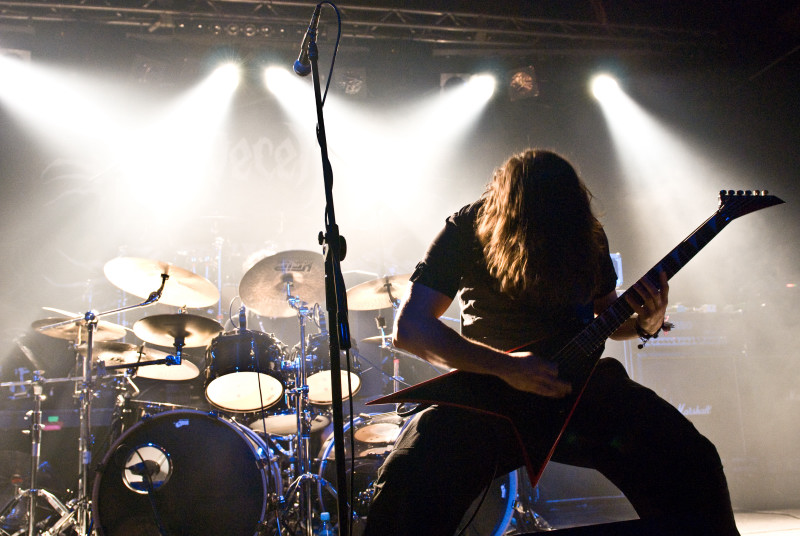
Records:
x=375, y=435
x=192, y=473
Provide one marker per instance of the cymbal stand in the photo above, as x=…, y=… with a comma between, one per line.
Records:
x=303, y=483
x=37, y=387
x=85, y=392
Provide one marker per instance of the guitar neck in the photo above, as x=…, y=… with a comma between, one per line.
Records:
x=572, y=358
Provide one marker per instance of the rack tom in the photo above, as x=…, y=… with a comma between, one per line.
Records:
x=244, y=371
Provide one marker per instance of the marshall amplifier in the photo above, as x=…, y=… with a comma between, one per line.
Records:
x=697, y=367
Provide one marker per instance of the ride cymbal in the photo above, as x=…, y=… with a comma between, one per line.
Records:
x=299, y=273
x=141, y=277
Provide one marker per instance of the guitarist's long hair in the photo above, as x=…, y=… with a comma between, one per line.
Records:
x=539, y=235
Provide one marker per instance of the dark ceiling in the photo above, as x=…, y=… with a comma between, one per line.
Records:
x=754, y=32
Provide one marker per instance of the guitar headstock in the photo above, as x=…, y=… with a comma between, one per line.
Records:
x=738, y=203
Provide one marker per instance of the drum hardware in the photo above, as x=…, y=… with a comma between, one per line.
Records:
x=302, y=485
x=160, y=365
x=33, y=492
x=88, y=324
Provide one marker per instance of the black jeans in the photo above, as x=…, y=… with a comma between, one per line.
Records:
x=645, y=446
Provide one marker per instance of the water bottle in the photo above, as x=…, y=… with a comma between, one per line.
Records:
x=325, y=528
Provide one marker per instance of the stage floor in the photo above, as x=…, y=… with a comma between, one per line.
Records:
x=769, y=522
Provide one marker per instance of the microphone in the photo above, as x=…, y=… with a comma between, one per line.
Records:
x=303, y=66
x=148, y=468
x=242, y=318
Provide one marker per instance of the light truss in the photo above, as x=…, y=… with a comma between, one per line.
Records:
x=446, y=32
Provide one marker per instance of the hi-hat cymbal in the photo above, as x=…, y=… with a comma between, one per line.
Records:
x=166, y=330
x=141, y=277
x=120, y=353
x=377, y=294
x=112, y=352
x=264, y=287
x=77, y=331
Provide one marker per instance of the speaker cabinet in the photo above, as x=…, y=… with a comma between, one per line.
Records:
x=697, y=367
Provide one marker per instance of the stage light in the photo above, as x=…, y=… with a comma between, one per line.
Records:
x=481, y=87
x=226, y=77
x=605, y=87
x=294, y=93
x=448, y=81
x=522, y=84
x=478, y=87
x=351, y=81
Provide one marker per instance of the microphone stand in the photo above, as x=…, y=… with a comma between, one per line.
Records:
x=334, y=248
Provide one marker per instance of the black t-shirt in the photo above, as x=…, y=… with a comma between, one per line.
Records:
x=454, y=265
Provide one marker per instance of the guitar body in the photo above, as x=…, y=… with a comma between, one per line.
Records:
x=540, y=421
x=544, y=418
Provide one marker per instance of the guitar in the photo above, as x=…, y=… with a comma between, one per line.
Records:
x=576, y=356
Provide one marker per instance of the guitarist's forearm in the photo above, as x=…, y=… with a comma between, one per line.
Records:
x=432, y=340
x=419, y=331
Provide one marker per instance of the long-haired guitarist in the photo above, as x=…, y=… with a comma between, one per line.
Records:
x=529, y=263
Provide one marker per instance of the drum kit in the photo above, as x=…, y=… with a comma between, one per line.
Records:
x=246, y=467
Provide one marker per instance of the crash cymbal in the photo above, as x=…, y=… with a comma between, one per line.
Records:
x=164, y=330
x=185, y=371
x=141, y=277
x=264, y=287
x=378, y=293
x=76, y=331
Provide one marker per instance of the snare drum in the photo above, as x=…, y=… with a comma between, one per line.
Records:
x=244, y=371
x=190, y=472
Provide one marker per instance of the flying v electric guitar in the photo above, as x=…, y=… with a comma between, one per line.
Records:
x=576, y=359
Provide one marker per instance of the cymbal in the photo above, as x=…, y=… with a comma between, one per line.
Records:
x=141, y=277
x=185, y=371
x=163, y=330
x=104, y=331
x=379, y=339
x=112, y=353
x=120, y=353
x=378, y=293
x=264, y=286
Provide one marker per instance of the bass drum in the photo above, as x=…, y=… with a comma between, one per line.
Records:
x=375, y=436
x=184, y=472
